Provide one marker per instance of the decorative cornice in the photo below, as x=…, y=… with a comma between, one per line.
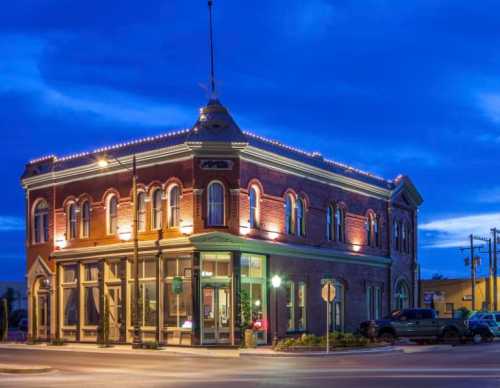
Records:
x=291, y=166
x=224, y=241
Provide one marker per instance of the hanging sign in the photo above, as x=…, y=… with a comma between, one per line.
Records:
x=177, y=285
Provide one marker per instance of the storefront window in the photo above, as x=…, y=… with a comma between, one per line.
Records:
x=253, y=297
x=70, y=315
x=91, y=306
x=69, y=295
x=178, y=293
x=148, y=303
x=216, y=265
x=290, y=305
x=301, y=306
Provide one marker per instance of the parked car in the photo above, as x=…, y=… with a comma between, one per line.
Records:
x=488, y=318
x=480, y=331
x=419, y=324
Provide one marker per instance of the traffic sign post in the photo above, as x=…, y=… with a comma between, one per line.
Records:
x=328, y=295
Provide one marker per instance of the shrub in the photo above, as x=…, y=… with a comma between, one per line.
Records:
x=57, y=342
x=337, y=340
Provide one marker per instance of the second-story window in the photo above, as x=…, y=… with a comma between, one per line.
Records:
x=141, y=211
x=72, y=221
x=112, y=215
x=215, y=199
x=253, y=199
x=340, y=224
x=395, y=230
x=41, y=222
x=289, y=214
x=85, y=219
x=157, y=209
x=368, y=229
x=376, y=231
x=174, y=199
x=301, y=222
x=329, y=223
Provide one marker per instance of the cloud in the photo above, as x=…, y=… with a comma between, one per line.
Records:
x=454, y=231
x=9, y=223
x=19, y=72
x=310, y=18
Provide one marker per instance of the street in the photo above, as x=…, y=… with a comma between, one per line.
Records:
x=461, y=366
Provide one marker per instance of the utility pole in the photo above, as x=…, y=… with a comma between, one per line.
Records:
x=473, y=271
x=494, y=233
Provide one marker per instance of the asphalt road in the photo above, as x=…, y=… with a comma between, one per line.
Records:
x=461, y=366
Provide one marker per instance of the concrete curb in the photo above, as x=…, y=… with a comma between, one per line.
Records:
x=178, y=351
x=257, y=353
x=24, y=369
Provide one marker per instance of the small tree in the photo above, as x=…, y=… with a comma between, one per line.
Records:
x=5, y=320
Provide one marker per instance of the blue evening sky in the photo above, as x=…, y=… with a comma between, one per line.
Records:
x=392, y=87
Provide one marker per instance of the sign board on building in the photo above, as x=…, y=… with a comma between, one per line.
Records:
x=467, y=297
x=177, y=285
x=216, y=164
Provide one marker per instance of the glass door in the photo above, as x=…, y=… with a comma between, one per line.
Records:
x=43, y=319
x=115, y=313
x=216, y=314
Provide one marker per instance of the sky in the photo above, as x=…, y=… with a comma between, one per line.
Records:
x=392, y=87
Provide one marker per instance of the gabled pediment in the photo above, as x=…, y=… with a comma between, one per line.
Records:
x=406, y=193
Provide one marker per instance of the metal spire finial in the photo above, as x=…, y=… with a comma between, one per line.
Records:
x=212, y=70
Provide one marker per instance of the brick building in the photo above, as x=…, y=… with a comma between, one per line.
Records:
x=220, y=211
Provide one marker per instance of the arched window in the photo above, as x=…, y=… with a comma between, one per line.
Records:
x=72, y=221
x=376, y=231
x=329, y=223
x=253, y=199
x=368, y=228
x=300, y=223
x=156, y=209
x=408, y=239
x=112, y=215
x=340, y=224
x=174, y=199
x=289, y=214
x=396, y=234
x=85, y=231
x=403, y=237
x=141, y=211
x=41, y=222
x=402, y=295
x=215, y=200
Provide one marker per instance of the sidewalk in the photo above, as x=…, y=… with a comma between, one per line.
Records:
x=263, y=351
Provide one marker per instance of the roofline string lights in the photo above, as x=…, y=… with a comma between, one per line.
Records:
x=148, y=139
x=111, y=147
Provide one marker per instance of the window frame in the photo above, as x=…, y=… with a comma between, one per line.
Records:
x=71, y=221
x=141, y=211
x=111, y=219
x=217, y=206
x=157, y=209
x=289, y=214
x=254, y=209
x=85, y=214
x=40, y=222
x=174, y=208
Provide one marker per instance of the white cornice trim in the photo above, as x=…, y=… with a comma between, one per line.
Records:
x=144, y=159
x=304, y=170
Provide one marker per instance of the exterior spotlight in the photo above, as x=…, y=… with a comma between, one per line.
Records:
x=61, y=243
x=102, y=163
x=276, y=281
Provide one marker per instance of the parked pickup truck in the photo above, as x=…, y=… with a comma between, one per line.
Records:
x=416, y=324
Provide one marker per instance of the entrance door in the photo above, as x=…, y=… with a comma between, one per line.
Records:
x=43, y=318
x=216, y=314
x=115, y=312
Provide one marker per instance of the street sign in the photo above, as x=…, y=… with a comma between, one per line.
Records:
x=328, y=292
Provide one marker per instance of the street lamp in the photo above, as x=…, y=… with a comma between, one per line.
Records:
x=103, y=163
x=276, y=283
